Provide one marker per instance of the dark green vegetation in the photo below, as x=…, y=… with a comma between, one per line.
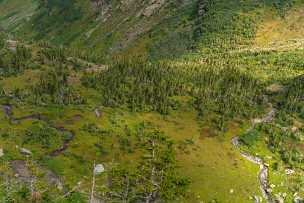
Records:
x=155, y=29
x=155, y=177
x=154, y=91
x=12, y=63
x=157, y=87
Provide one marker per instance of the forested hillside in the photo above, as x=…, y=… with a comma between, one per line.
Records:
x=151, y=101
x=156, y=28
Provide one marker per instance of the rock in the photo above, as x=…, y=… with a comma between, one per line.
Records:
x=279, y=199
x=1, y=152
x=25, y=152
x=54, y=180
x=275, y=88
x=257, y=121
x=269, y=190
x=294, y=129
x=289, y=171
x=154, y=6
x=235, y=141
x=298, y=200
x=257, y=199
x=97, y=113
x=269, y=117
x=99, y=168
x=12, y=45
x=21, y=170
x=8, y=110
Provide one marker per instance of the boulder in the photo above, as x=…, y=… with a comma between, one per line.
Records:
x=1, y=152
x=97, y=113
x=275, y=88
x=25, y=152
x=289, y=171
x=99, y=168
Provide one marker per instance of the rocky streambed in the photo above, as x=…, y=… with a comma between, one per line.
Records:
x=264, y=171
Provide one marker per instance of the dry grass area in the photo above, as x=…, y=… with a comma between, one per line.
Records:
x=275, y=30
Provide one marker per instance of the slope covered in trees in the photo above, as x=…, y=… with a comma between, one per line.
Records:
x=153, y=29
x=151, y=101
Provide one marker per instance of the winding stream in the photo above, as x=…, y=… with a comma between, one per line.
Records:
x=263, y=173
x=8, y=110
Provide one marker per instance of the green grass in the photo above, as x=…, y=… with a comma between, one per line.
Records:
x=199, y=102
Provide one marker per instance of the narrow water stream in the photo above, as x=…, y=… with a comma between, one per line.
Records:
x=8, y=110
x=264, y=171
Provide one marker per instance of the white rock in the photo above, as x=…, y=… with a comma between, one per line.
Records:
x=257, y=121
x=60, y=186
x=289, y=171
x=294, y=129
x=25, y=151
x=274, y=88
x=279, y=199
x=269, y=190
x=99, y=168
x=1, y=152
x=257, y=199
x=97, y=113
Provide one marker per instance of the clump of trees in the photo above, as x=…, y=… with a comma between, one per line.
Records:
x=2, y=41
x=42, y=134
x=14, y=62
x=155, y=178
x=294, y=95
x=284, y=142
x=54, y=87
x=282, y=6
x=67, y=10
x=52, y=54
x=137, y=84
x=227, y=91
x=153, y=86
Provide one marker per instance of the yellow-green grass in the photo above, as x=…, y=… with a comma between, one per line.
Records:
x=212, y=164
x=275, y=29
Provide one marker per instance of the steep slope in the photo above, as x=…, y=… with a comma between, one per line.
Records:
x=14, y=13
x=192, y=129
x=112, y=26
x=149, y=28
